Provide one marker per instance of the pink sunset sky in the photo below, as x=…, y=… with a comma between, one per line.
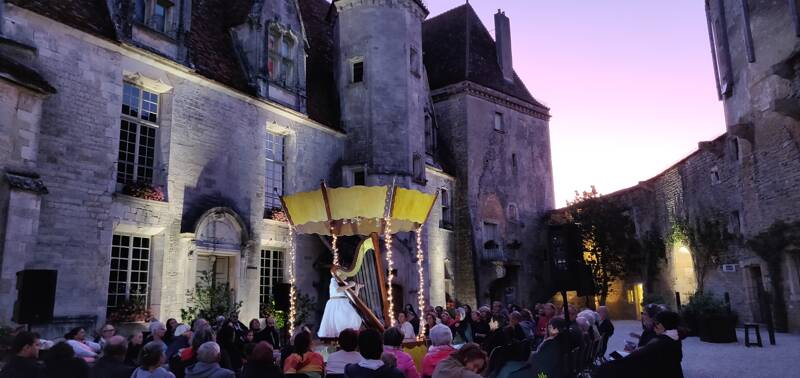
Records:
x=629, y=83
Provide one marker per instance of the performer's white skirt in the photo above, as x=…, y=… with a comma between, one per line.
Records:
x=339, y=315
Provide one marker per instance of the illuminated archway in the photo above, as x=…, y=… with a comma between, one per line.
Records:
x=683, y=273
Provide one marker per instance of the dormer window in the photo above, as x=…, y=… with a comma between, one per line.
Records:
x=161, y=14
x=280, y=55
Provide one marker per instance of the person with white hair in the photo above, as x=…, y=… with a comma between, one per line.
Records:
x=592, y=318
x=441, y=348
x=152, y=359
x=157, y=332
x=207, y=365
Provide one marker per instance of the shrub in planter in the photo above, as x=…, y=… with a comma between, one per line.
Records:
x=130, y=310
x=709, y=318
x=144, y=190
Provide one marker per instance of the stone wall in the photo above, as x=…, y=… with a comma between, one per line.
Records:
x=498, y=170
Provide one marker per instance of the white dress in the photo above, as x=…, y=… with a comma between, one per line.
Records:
x=339, y=314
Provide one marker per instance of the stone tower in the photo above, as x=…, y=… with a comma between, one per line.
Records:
x=382, y=89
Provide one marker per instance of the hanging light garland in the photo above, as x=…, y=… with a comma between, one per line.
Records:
x=387, y=239
x=421, y=291
x=292, y=299
x=335, y=247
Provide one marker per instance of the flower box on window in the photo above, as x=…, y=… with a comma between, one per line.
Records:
x=277, y=214
x=130, y=310
x=144, y=190
x=514, y=245
x=491, y=244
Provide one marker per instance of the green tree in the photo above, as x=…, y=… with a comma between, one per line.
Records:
x=610, y=247
x=210, y=299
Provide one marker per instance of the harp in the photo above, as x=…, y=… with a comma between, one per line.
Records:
x=367, y=269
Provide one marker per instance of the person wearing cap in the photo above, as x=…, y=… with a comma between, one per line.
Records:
x=660, y=358
x=180, y=339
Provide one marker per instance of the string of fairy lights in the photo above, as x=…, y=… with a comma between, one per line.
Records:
x=292, y=299
x=335, y=247
x=421, y=291
x=387, y=239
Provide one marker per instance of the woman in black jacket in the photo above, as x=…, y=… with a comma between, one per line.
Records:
x=660, y=358
x=60, y=362
x=547, y=359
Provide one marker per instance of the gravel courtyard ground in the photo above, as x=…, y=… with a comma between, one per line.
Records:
x=701, y=360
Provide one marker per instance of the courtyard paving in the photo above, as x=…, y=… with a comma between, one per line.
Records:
x=701, y=359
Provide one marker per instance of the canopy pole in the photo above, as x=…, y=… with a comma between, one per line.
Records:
x=331, y=228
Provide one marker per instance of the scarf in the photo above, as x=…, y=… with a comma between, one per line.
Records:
x=672, y=333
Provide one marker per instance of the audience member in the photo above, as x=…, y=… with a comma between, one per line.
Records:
x=23, y=363
x=303, y=359
x=393, y=344
x=169, y=335
x=269, y=334
x=260, y=363
x=87, y=350
x=347, y=354
x=152, y=360
x=157, y=332
x=61, y=362
x=406, y=328
x=207, y=366
x=181, y=339
x=135, y=343
x=467, y=362
x=413, y=318
x=112, y=363
x=660, y=357
x=370, y=346
x=108, y=331
x=441, y=348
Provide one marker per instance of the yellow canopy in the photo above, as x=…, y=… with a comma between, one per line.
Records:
x=357, y=210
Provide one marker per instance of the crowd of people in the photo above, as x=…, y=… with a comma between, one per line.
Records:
x=496, y=341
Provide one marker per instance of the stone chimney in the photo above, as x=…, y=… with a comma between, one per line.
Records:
x=502, y=38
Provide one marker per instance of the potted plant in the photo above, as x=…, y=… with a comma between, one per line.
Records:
x=710, y=318
x=130, y=310
x=144, y=190
x=276, y=213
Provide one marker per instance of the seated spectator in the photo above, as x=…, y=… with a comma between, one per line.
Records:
x=446, y=319
x=260, y=363
x=648, y=314
x=592, y=320
x=441, y=348
x=169, y=335
x=547, y=359
x=303, y=359
x=207, y=366
x=480, y=328
x=430, y=322
x=393, y=344
x=60, y=362
x=108, y=331
x=23, y=364
x=406, y=328
x=467, y=362
x=514, y=320
x=548, y=312
x=112, y=364
x=188, y=356
x=87, y=350
x=347, y=354
x=135, y=343
x=152, y=358
x=661, y=357
x=269, y=334
x=255, y=325
x=527, y=324
x=157, y=332
x=181, y=337
x=370, y=346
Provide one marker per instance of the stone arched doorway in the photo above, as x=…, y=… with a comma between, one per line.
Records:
x=219, y=240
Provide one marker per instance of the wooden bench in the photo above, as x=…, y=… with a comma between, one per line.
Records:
x=754, y=326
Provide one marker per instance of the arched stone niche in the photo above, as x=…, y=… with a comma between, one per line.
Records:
x=220, y=229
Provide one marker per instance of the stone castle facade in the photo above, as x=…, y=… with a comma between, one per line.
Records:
x=145, y=142
x=746, y=179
